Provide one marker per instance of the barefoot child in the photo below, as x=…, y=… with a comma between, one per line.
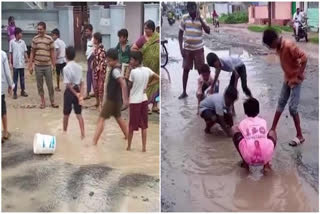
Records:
x=60, y=48
x=17, y=58
x=216, y=109
x=6, y=85
x=229, y=64
x=139, y=78
x=117, y=95
x=293, y=62
x=74, y=90
x=205, y=80
x=250, y=137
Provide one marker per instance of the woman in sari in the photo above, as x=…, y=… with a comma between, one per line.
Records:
x=148, y=44
x=99, y=69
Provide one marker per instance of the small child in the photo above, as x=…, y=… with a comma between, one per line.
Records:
x=205, y=81
x=60, y=48
x=139, y=78
x=251, y=139
x=17, y=58
x=229, y=64
x=74, y=90
x=123, y=47
x=215, y=108
x=117, y=94
x=293, y=62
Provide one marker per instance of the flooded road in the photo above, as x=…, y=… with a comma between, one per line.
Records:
x=76, y=177
x=201, y=172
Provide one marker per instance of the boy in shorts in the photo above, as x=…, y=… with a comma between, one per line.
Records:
x=215, y=108
x=293, y=62
x=138, y=108
x=251, y=138
x=60, y=48
x=117, y=95
x=74, y=89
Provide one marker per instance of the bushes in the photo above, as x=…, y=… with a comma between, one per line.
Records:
x=234, y=18
x=314, y=40
x=261, y=28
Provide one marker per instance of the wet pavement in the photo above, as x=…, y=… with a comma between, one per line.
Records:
x=201, y=172
x=76, y=177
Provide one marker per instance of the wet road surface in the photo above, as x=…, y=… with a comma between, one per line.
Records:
x=201, y=172
x=76, y=177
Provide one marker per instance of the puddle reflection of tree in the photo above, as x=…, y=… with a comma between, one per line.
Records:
x=168, y=74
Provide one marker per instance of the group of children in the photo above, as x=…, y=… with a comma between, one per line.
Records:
x=116, y=98
x=251, y=137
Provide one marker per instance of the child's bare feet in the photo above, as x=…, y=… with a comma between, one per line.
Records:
x=82, y=137
x=144, y=150
x=128, y=148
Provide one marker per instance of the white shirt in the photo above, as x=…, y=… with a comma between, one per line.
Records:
x=6, y=79
x=213, y=102
x=18, y=49
x=89, y=47
x=140, y=78
x=72, y=73
x=297, y=17
x=60, y=47
x=230, y=63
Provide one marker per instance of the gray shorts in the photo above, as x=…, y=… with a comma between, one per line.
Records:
x=293, y=94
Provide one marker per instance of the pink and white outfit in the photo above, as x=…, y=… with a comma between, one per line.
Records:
x=255, y=148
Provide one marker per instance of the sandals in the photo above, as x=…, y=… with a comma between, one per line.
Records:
x=54, y=105
x=296, y=141
x=156, y=110
x=42, y=106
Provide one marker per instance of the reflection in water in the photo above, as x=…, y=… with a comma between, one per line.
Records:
x=204, y=172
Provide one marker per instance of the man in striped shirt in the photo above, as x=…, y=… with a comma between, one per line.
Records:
x=190, y=35
x=43, y=57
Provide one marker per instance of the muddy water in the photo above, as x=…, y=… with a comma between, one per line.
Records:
x=201, y=172
x=76, y=178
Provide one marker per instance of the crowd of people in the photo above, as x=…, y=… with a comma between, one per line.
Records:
x=132, y=72
x=251, y=137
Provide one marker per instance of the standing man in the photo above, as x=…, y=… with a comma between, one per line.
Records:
x=190, y=34
x=88, y=33
x=44, y=59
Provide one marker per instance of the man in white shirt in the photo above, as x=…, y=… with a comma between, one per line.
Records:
x=6, y=85
x=60, y=50
x=89, y=54
x=18, y=56
x=297, y=17
x=138, y=82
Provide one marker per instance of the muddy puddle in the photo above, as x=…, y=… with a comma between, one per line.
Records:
x=201, y=172
x=76, y=178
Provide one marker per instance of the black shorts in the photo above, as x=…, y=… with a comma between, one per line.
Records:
x=69, y=100
x=3, y=105
x=59, y=68
x=208, y=114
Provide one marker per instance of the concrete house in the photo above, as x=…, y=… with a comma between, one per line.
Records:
x=71, y=17
x=282, y=13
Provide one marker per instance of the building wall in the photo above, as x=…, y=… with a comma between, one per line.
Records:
x=221, y=8
x=313, y=15
x=133, y=24
x=152, y=12
x=283, y=10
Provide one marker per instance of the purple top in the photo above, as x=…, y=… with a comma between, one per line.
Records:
x=141, y=41
x=10, y=31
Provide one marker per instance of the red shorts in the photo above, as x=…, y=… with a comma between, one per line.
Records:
x=195, y=58
x=138, y=116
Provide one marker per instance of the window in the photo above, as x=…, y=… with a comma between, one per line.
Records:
x=313, y=4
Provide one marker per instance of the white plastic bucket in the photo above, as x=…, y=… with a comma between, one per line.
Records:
x=44, y=144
